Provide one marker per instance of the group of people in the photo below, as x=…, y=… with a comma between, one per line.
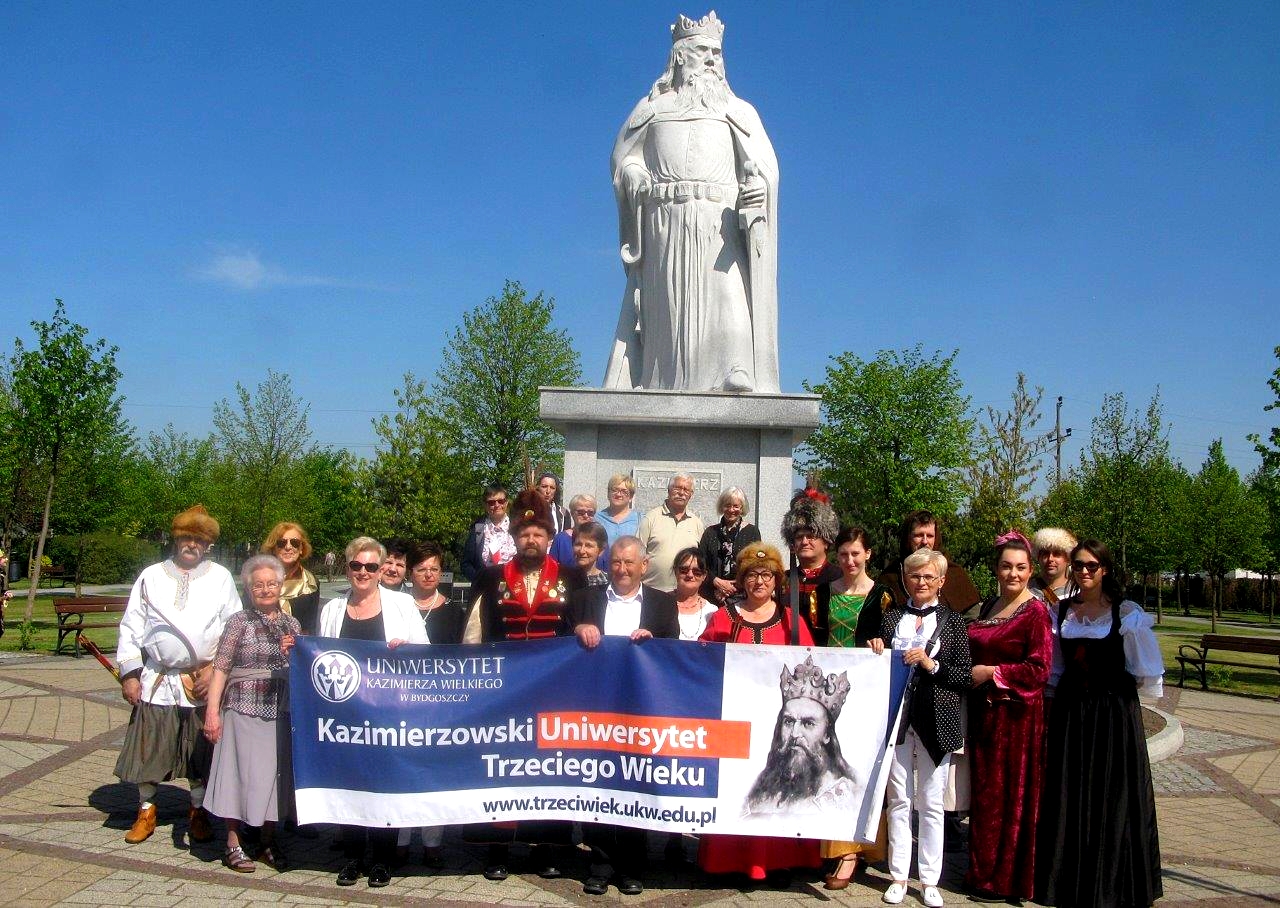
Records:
x=1022, y=708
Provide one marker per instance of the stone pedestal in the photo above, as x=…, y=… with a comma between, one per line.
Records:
x=721, y=439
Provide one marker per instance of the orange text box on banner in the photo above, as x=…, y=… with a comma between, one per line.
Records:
x=664, y=736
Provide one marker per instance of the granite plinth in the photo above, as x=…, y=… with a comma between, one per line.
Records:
x=722, y=439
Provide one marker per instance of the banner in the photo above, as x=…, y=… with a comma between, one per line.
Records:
x=664, y=734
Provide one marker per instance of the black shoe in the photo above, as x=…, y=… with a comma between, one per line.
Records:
x=629, y=885
x=546, y=858
x=495, y=872
x=379, y=876
x=350, y=873
x=595, y=886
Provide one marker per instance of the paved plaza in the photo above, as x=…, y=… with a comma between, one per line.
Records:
x=63, y=817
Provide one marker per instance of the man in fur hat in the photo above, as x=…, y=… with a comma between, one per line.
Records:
x=524, y=599
x=1052, y=549
x=168, y=637
x=810, y=529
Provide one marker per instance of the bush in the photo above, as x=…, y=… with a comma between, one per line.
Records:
x=103, y=557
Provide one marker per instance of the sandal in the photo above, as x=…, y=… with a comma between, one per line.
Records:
x=836, y=882
x=235, y=859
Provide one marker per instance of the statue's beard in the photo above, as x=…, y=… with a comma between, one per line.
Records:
x=706, y=90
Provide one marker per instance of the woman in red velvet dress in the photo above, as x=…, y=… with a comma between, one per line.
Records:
x=760, y=618
x=1012, y=650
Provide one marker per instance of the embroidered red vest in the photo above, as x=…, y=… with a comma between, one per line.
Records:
x=531, y=620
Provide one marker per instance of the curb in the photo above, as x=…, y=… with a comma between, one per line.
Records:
x=1166, y=742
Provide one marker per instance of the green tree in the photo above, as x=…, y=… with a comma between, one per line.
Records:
x=19, y=484
x=65, y=408
x=421, y=488
x=894, y=437
x=174, y=471
x=1266, y=481
x=94, y=492
x=1269, y=449
x=1230, y=525
x=485, y=394
x=1007, y=455
x=332, y=504
x=263, y=436
x=1265, y=485
x=1119, y=476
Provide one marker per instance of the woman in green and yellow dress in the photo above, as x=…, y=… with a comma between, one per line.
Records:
x=856, y=605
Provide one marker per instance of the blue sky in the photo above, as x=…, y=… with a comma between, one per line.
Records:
x=1088, y=193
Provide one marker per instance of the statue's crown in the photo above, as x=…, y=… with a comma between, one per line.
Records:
x=808, y=681
x=709, y=24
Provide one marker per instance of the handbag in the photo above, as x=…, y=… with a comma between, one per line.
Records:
x=201, y=673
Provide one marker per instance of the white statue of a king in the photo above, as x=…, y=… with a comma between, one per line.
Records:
x=696, y=181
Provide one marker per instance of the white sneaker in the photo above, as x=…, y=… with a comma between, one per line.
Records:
x=894, y=894
x=932, y=897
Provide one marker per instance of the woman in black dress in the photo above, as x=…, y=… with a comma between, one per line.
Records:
x=1097, y=844
x=444, y=620
x=723, y=542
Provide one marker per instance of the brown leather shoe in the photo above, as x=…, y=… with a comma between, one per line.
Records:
x=143, y=826
x=199, y=827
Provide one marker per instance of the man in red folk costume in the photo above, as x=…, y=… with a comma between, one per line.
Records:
x=524, y=599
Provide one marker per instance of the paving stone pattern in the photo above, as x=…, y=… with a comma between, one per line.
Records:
x=63, y=816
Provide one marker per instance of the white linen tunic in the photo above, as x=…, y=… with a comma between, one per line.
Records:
x=197, y=603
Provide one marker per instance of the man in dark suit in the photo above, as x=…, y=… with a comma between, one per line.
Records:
x=624, y=608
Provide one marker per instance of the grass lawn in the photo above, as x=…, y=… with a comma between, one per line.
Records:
x=1176, y=630
x=45, y=636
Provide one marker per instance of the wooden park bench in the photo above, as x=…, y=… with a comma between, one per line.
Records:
x=72, y=613
x=55, y=574
x=1198, y=657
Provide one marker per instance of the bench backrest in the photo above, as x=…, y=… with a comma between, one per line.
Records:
x=1269, y=646
x=90, y=605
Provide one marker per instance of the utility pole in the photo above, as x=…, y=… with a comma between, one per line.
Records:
x=1058, y=438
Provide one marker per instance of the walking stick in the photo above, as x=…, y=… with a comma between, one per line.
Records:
x=92, y=649
x=795, y=600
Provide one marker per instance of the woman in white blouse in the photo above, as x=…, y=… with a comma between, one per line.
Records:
x=1097, y=843
x=695, y=612
x=370, y=612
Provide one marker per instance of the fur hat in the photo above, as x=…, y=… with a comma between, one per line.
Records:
x=1052, y=539
x=531, y=508
x=195, y=521
x=812, y=516
x=757, y=556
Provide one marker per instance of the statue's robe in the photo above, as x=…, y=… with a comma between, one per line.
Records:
x=689, y=318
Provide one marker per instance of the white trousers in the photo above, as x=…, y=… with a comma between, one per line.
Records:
x=914, y=781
